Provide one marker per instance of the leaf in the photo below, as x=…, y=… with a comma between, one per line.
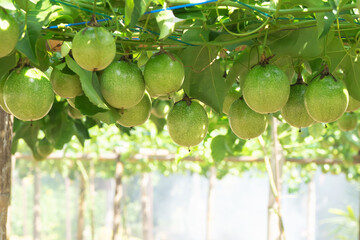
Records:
x=59, y=126
x=108, y=117
x=159, y=123
x=303, y=43
x=218, y=149
x=134, y=9
x=34, y=21
x=81, y=132
x=65, y=48
x=196, y=35
x=241, y=66
x=324, y=21
x=346, y=62
x=7, y=63
x=42, y=54
x=83, y=104
x=167, y=23
x=87, y=84
x=203, y=76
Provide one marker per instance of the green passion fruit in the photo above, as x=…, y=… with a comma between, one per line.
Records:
x=294, y=112
x=9, y=33
x=137, y=114
x=28, y=94
x=2, y=103
x=122, y=84
x=65, y=83
x=347, y=122
x=326, y=99
x=160, y=108
x=266, y=89
x=74, y=113
x=187, y=123
x=44, y=147
x=244, y=122
x=233, y=94
x=93, y=48
x=164, y=74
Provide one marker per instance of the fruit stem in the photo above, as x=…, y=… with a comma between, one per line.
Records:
x=265, y=60
x=187, y=99
x=299, y=79
x=93, y=22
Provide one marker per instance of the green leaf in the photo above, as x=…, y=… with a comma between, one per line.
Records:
x=65, y=48
x=159, y=123
x=89, y=84
x=196, y=35
x=81, y=132
x=34, y=21
x=218, y=148
x=108, y=117
x=59, y=126
x=134, y=9
x=303, y=43
x=324, y=21
x=167, y=23
x=346, y=62
x=83, y=104
x=203, y=76
x=42, y=55
x=7, y=63
x=242, y=65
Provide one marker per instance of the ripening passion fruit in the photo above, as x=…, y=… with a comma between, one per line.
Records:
x=348, y=121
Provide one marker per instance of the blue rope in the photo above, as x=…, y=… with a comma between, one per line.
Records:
x=180, y=6
x=76, y=24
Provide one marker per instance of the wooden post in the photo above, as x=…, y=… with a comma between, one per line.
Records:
x=147, y=206
x=10, y=209
x=92, y=197
x=68, y=208
x=6, y=123
x=212, y=179
x=24, y=206
x=117, y=200
x=275, y=228
x=311, y=210
x=81, y=202
x=37, y=220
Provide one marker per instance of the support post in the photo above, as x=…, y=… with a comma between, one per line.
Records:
x=68, y=208
x=311, y=210
x=6, y=123
x=117, y=200
x=37, y=220
x=275, y=227
x=212, y=179
x=147, y=206
x=81, y=202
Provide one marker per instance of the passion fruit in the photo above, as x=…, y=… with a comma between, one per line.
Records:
x=164, y=74
x=233, y=94
x=137, y=114
x=28, y=94
x=294, y=112
x=266, y=89
x=187, y=123
x=93, y=48
x=65, y=83
x=244, y=122
x=326, y=99
x=9, y=33
x=353, y=105
x=122, y=85
x=347, y=122
x=2, y=103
